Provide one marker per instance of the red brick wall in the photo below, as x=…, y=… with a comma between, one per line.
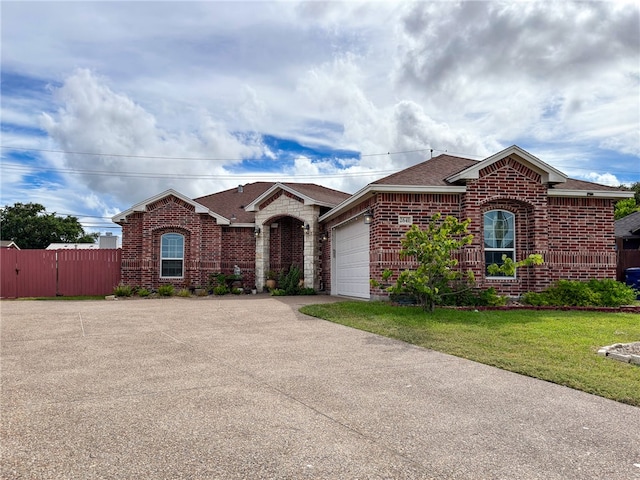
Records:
x=581, y=238
x=286, y=244
x=141, y=244
x=575, y=236
x=239, y=248
x=508, y=185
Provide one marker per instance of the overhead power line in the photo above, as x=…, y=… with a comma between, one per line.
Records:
x=231, y=176
x=185, y=176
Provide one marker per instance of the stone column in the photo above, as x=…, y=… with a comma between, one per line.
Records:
x=262, y=255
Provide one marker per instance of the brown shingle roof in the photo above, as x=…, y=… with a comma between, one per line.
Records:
x=573, y=184
x=232, y=202
x=319, y=193
x=432, y=172
x=435, y=171
x=629, y=226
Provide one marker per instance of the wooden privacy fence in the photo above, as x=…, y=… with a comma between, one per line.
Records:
x=50, y=273
x=627, y=259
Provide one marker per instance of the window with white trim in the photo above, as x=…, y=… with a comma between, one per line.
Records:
x=171, y=255
x=499, y=237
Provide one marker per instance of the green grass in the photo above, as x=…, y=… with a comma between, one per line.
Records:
x=63, y=298
x=556, y=346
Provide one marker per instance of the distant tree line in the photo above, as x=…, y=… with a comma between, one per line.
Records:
x=31, y=227
x=628, y=205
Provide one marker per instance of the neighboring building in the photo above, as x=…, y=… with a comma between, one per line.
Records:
x=518, y=205
x=104, y=241
x=73, y=246
x=628, y=232
x=108, y=240
x=9, y=244
x=628, y=244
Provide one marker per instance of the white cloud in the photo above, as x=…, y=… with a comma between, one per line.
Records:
x=94, y=119
x=603, y=179
x=210, y=79
x=547, y=70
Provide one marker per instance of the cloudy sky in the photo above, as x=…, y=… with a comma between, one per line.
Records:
x=107, y=103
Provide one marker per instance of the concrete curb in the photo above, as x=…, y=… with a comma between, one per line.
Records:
x=610, y=352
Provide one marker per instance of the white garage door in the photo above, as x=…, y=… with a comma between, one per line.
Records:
x=351, y=260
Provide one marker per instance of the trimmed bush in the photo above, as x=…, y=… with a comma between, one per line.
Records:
x=460, y=295
x=574, y=293
x=143, y=292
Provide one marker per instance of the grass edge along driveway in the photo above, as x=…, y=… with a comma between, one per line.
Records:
x=552, y=345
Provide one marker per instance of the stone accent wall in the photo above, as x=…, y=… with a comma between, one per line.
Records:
x=281, y=204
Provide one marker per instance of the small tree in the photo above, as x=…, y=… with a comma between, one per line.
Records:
x=432, y=249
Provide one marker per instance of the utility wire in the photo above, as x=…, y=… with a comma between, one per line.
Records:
x=229, y=176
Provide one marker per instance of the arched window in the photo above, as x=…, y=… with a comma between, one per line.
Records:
x=171, y=255
x=499, y=237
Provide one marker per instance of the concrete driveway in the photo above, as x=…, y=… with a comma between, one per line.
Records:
x=246, y=387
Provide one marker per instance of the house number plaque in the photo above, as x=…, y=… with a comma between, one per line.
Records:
x=405, y=219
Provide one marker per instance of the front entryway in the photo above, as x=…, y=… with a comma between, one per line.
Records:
x=286, y=244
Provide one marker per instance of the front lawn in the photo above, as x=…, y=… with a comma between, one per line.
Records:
x=557, y=346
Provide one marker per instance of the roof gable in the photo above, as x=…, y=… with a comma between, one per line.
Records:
x=628, y=226
x=310, y=194
x=547, y=173
x=142, y=207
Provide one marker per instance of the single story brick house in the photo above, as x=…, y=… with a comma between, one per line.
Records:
x=518, y=205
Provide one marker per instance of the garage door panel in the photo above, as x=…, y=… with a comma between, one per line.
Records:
x=352, y=260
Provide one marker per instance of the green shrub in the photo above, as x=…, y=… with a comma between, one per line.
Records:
x=220, y=290
x=490, y=298
x=143, y=292
x=307, y=291
x=461, y=295
x=290, y=281
x=278, y=292
x=184, y=293
x=237, y=291
x=574, y=293
x=123, y=291
x=612, y=293
x=165, y=290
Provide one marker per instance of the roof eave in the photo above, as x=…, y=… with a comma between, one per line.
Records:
x=373, y=188
x=142, y=207
x=559, y=192
x=253, y=206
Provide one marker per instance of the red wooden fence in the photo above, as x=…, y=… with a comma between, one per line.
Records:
x=47, y=273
